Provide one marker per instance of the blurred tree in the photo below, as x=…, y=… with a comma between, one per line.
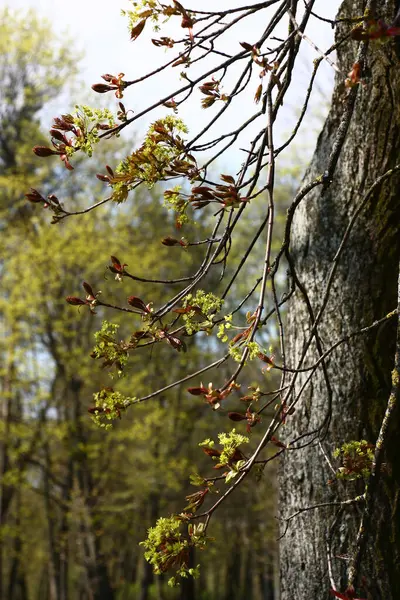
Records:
x=34, y=67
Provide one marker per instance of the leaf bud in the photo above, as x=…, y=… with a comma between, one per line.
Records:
x=74, y=301
x=44, y=151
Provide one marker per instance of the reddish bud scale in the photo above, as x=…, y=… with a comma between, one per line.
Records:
x=234, y=416
x=349, y=594
x=137, y=30
x=65, y=123
x=228, y=179
x=57, y=135
x=66, y=162
x=103, y=177
x=102, y=88
x=44, y=151
x=137, y=303
x=117, y=265
x=265, y=358
x=88, y=289
x=246, y=46
x=34, y=196
x=277, y=442
x=197, y=391
x=94, y=409
x=170, y=241
x=211, y=451
x=75, y=301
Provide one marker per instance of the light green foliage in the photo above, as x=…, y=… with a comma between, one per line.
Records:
x=196, y=479
x=238, y=342
x=230, y=456
x=235, y=352
x=108, y=406
x=207, y=443
x=230, y=442
x=174, y=201
x=108, y=348
x=90, y=121
x=167, y=547
x=254, y=350
x=356, y=457
x=153, y=160
x=165, y=543
x=146, y=9
x=205, y=305
x=224, y=327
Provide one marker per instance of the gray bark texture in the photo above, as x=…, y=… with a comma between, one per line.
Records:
x=364, y=290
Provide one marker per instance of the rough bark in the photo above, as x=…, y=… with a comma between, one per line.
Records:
x=364, y=290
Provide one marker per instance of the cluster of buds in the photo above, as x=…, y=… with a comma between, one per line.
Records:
x=226, y=195
x=139, y=304
x=51, y=202
x=173, y=340
x=252, y=418
x=170, y=241
x=167, y=11
x=211, y=396
x=91, y=299
x=357, y=457
x=163, y=41
x=114, y=83
x=62, y=145
x=262, y=62
x=215, y=454
x=117, y=267
x=196, y=500
x=254, y=396
x=212, y=93
x=266, y=359
x=83, y=127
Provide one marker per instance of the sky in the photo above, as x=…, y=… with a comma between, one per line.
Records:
x=101, y=34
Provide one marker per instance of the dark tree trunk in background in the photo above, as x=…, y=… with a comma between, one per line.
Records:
x=188, y=587
x=365, y=290
x=147, y=577
x=97, y=570
x=17, y=589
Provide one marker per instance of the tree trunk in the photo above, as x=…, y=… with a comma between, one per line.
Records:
x=147, y=577
x=188, y=587
x=17, y=588
x=5, y=416
x=359, y=372
x=97, y=569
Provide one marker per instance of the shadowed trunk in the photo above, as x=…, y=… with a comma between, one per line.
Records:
x=17, y=588
x=359, y=372
x=97, y=570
